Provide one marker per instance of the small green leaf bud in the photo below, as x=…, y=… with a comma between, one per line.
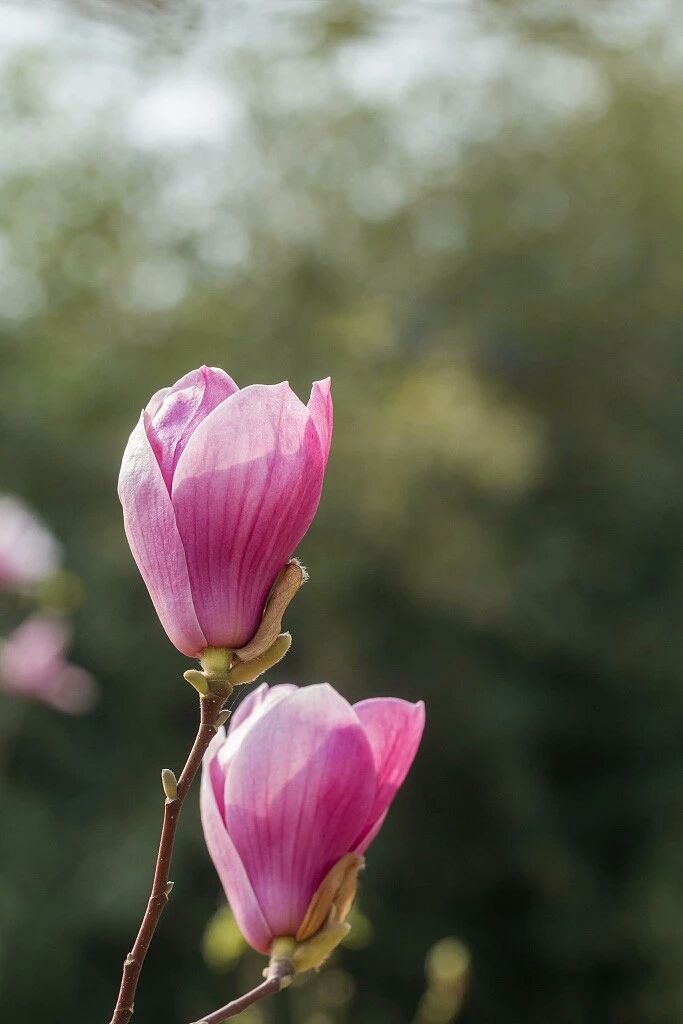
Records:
x=247, y=671
x=170, y=783
x=197, y=679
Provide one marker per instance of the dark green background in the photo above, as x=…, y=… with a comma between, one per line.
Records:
x=488, y=260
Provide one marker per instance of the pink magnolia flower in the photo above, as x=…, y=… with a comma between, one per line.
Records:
x=301, y=779
x=28, y=552
x=218, y=486
x=32, y=664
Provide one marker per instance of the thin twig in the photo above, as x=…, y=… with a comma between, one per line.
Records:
x=279, y=976
x=210, y=706
x=266, y=988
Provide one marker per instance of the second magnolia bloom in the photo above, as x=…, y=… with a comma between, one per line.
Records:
x=33, y=665
x=218, y=486
x=293, y=795
x=28, y=551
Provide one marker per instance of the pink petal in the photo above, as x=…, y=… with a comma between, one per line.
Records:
x=154, y=405
x=247, y=714
x=74, y=691
x=254, y=704
x=393, y=728
x=297, y=792
x=244, y=718
x=32, y=664
x=320, y=408
x=173, y=414
x=153, y=536
x=234, y=879
x=244, y=492
x=28, y=552
x=33, y=654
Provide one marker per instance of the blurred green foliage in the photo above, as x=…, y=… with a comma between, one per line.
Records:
x=486, y=253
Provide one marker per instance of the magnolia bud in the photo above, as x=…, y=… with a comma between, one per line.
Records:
x=197, y=445
x=301, y=781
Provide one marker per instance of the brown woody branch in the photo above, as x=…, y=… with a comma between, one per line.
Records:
x=210, y=708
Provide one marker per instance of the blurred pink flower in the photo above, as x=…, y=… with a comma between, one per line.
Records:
x=32, y=664
x=301, y=779
x=218, y=486
x=28, y=552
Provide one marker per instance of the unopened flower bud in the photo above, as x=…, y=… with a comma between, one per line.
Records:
x=218, y=486
x=292, y=797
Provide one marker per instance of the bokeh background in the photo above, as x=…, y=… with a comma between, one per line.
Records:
x=470, y=214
